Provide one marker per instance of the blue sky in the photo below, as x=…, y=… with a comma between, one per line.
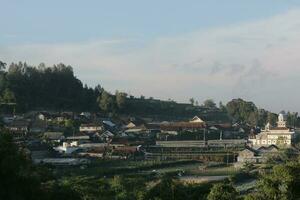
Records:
x=164, y=48
x=69, y=20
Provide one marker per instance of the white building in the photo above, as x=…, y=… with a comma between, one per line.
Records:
x=67, y=148
x=280, y=135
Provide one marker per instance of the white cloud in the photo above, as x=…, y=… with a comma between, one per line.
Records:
x=247, y=60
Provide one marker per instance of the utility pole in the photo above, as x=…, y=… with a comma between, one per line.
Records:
x=227, y=159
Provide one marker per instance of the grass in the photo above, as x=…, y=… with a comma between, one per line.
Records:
x=101, y=168
x=215, y=171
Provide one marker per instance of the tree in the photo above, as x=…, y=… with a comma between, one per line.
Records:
x=2, y=66
x=17, y=178
x=120, y=99
x=192, y=101
x=281, y=183
x=167, y=188
x=272, y=118
x=222, y=107
x=262, y=117
x=209, y=103
x=8, y=96
x=222, y=191
x=242, y=111
x=292, y=119
x=106, y=101
x=253, y=119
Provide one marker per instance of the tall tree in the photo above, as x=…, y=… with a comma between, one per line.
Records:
x=242, y=111
x=272, y=118
x=120, y=99
x=192, y=101
x=106, y=102
x=8, y=96
x=209, y=103
x=2, y=66
x=16, y=175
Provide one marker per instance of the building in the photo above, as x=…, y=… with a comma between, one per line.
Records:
x=89, y=128
x=19, y=127
x=260, y=155
x=67, y=148
x=281, y=135
x=38, y=126
x=249, y=155
x=195, y=124
x=53, y=136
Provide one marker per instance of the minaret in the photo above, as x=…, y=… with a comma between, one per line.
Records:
x=281, y=120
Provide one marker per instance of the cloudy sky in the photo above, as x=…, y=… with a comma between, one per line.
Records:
x=165, y=48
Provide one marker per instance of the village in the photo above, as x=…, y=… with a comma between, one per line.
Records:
x=79, y=139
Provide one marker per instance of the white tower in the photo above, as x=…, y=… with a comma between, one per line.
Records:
x=281, y=120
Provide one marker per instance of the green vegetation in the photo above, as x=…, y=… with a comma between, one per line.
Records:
x=247, y=112
x=22, y=181
x=223, y=191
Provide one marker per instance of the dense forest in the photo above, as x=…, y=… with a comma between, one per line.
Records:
x=24, y=88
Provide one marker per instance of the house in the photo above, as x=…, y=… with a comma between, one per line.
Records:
x=193, y=125
x=38, y=126
x=260, y=155
x=53, y=136
x=280, y=135
x=134, y=122
x=37, y=150
x=78, y=138
x=88, y=128
x=44, y=116
x=136, y=129
x=272, y=149
x=98, y=152
x=19, y=127
x=106, y=136
x=248, y=155
x=109, y=123
x=196, y=119
x=67, y=147
x=87, y=115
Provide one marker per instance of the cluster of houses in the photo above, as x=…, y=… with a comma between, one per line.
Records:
x=69, y=138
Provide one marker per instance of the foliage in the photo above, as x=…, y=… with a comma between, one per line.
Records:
x=45, y=88
x=17, y=176
x=120, y=99
x=242, y=111
x=247, y=112
x=209, y=103
x=224, y=191
x=106, y=101
x=192, y=101
x=281, y=184
x=22, y=181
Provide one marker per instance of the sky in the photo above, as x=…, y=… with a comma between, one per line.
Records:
x=177, y=49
